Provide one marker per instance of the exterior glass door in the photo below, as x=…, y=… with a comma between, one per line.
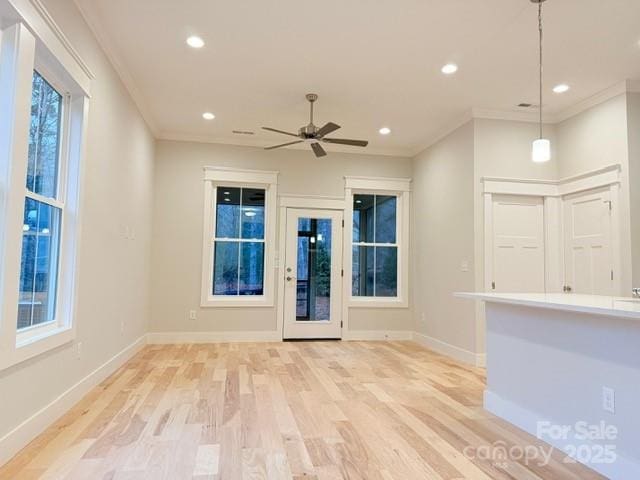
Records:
x=313, y=281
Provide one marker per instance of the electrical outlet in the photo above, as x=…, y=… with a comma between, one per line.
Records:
x=192, y=315
x=608, y=399
x=423, y=317
x=122, y=326
x=78, y=349
x=464, y=266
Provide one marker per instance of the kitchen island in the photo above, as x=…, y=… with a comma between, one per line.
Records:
x=566, y=368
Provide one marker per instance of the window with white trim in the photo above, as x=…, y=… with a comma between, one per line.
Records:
x=44, y=102
x=378, y=239
x=43, y=208
x=239, y=237
x=238, y=242
x=375, y=247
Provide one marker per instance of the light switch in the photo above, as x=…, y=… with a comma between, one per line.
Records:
x=464, y=266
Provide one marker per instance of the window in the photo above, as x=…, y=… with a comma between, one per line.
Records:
x=238, y=267
x=44, y=102
x=238, y=240
x=378, y=240
x=375, y=251
x=42, y=209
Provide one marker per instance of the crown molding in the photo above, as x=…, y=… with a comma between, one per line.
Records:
x=596, y=99
x=451, y=127
x=261, y=143
x=106, y=43
x=57, y=31
x=620, y=88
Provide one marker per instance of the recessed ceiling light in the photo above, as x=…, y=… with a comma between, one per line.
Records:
x=449, y=68
x=385, y=131
x=208, y=116
x=563, y=87
x=195, y=42
x=227, y=199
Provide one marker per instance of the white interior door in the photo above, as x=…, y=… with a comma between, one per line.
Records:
x=587, y=236
x=518, y=244
x=313, y=274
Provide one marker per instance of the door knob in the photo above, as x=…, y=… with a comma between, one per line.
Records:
x=290, y=278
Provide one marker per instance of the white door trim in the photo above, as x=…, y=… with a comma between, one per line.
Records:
x=553, y=192
x=298, y=201
x=615, y=234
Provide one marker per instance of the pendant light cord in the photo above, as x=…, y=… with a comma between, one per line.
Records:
x=540, y=70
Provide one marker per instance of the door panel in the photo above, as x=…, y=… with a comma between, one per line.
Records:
x=587, y=232
x=313, y=306
x=518, y=244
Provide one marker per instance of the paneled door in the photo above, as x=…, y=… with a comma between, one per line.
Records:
x=518, y=244
x=587, y=236
x=313, y=274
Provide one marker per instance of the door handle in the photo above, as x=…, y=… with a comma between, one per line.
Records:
x=291, y=278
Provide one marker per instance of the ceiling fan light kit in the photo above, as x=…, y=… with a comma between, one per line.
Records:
x=313, y=135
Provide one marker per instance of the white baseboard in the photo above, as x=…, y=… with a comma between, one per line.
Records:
x=460, y=354
x=622, y=469
x=373, y=335
x=19, y=437
x=162, y=338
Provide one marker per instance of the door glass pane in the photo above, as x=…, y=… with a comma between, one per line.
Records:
x=251, y=268
x=39, y=264
x=225, y=268
x=313, y=300
x=386, y=272
x=44, y=138
x=363, y=268
x=228, y=212
x=385, y=219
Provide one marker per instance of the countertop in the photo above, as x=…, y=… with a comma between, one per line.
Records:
x=625, y=307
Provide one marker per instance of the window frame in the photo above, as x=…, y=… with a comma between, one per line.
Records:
x=215, y=177
x=401, y=189
x=25, y=50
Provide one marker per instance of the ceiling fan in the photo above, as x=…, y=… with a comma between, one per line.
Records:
x=313, y=135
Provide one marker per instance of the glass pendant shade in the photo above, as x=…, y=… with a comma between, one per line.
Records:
x=541, y=151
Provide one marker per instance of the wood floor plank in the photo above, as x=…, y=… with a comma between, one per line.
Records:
x=325, y=411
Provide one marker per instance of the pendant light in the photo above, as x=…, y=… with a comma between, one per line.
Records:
x=541, y=149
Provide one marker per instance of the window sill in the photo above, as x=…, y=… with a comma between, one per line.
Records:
x=236, y=302
x=36, y=342
x=377, y=302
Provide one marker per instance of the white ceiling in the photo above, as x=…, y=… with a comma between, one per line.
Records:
x=373, y=63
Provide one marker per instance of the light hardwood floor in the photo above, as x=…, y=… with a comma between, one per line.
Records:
x=323, y=410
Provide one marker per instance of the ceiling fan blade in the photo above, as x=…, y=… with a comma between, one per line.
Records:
x=346, y=141
x=327, y=129
x=283, y=145
x=280, y=131
x=318, y=150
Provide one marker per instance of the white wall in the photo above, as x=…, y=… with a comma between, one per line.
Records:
x=595, y=138
x=502, y=149
x=446, y=173
x=633, y=117
x=178, y=224
x=113, y=271
x=443, y=239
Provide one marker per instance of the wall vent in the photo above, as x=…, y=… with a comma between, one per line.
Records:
x=243, y=132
